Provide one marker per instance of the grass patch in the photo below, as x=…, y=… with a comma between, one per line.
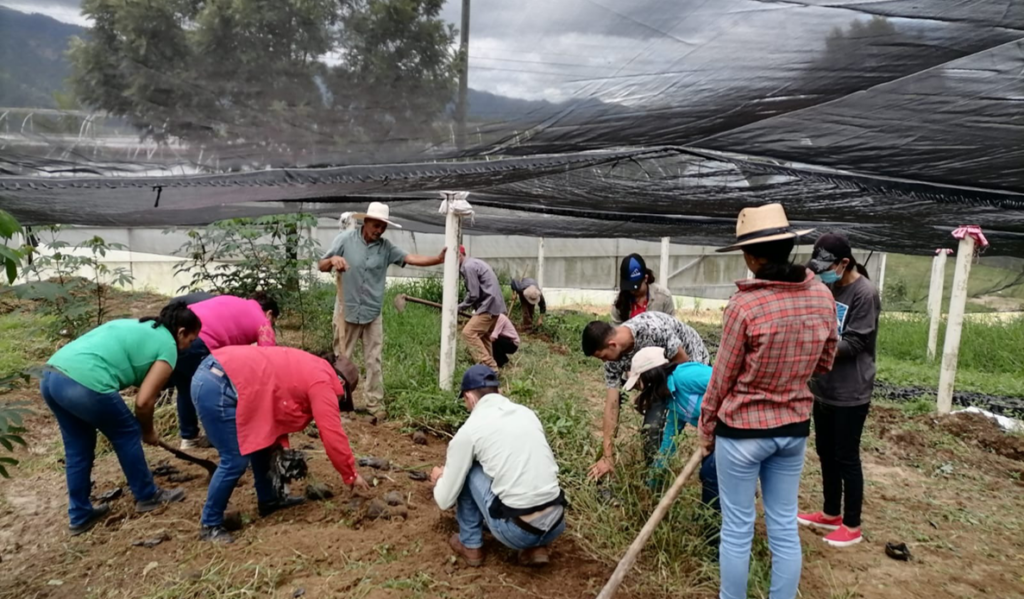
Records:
x=990, y=359
x=990, y=287
x=23, y=341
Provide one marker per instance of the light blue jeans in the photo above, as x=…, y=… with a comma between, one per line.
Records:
x=471, y=511
x=778, y=462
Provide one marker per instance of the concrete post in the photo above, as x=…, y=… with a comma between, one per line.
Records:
x=666, y=251
x=954, y=325
x=450, y=299
x=935, y=301
x=540, y=263
x=881, y=273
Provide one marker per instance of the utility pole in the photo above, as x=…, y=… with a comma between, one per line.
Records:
x=463, y=108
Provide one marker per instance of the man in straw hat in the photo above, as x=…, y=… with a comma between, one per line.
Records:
x=363, y=256
x=532, y=298
x=778, y=330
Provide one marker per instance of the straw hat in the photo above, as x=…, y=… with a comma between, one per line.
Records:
x=762, y=224
x=646, y=359
x=532, y=295
x=377, y=211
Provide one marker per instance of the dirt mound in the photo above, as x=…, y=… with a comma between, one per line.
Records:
x=983, y=432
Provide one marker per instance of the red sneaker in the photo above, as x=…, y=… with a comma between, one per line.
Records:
x=820, y=520
x=843, y=537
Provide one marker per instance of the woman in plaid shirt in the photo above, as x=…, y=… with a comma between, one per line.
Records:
x=778, y=330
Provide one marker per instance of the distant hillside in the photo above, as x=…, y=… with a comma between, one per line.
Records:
x=32, y=62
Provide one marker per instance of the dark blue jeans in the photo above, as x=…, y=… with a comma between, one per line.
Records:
x=709, y=483
x=216, y=400
x=188, y=363
x=80, y=412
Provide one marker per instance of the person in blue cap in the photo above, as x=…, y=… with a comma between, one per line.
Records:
x=638, y=292
x=500, y=474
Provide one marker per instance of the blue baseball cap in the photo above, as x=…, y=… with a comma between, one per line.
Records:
x=632, y=272
x=478, y=377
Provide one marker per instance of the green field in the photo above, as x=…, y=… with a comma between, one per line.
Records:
x=995, y=285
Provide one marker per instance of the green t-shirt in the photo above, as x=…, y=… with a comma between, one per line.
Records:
x=367, y=271
x=116, y=355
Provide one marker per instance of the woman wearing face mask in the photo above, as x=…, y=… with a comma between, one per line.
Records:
x=81, y=385
x=638, y=293
x=843, y=396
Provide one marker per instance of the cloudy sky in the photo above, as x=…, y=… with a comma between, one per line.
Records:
x=628, y=52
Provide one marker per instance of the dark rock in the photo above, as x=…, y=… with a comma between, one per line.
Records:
x=419, y=438
x=419, y=475
x=233, y=520
x=318, y=492
x=182, y=477
x=378, y=509
x=152, y=541
x=375, y=463
x=394, y=498
x=110, y=495
x=299, y=592
x=165, y=470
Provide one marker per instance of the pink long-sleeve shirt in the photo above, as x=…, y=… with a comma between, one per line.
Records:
x=229, y=320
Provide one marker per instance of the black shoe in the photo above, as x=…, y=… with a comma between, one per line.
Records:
x=98, y=513
x=266, y=509
x=217, y=534
x=162, y=496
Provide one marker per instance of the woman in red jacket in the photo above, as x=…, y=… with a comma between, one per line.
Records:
x=248, y=399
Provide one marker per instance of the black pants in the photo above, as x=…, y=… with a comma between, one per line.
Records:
x=501, y=349
x=837, y=431
x=654, y=427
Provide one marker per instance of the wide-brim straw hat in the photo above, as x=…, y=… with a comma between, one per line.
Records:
x=762, y=224
x=378, y=211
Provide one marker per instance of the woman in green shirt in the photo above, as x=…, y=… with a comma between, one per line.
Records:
x=81, y=385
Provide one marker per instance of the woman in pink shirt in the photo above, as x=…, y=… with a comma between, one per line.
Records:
x=249, y=400
x=227, y=320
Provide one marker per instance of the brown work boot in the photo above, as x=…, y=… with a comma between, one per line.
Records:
x=538, y=556
x=473, y=557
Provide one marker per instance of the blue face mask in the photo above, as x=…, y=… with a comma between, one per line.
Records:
x=829, y=276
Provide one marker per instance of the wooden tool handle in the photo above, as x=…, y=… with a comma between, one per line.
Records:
x=645, y=533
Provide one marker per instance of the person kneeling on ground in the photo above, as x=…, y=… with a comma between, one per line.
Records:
x=249, y=399
x=81, y=385
x=504, y=340
x=616, y=346
x=681, y=387
x=501, y=473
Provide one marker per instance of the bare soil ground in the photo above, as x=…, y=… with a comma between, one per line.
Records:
x=320, y=549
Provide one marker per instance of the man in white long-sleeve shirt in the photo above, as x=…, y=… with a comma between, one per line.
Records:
x=500, y=472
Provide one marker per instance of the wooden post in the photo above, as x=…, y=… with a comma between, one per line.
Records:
x=345, y=223
x=666, y=251
x=955, y=323
x=645, y=533
x=450, y=299
x=540, y=263
x=935, y=300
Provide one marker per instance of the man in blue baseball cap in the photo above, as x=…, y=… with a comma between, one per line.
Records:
x=500, y=472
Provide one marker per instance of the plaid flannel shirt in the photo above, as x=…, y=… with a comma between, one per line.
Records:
x=774, y=337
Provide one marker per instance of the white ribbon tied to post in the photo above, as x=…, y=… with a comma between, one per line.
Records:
x=457, y=202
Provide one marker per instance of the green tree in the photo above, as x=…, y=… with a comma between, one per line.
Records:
x=256, y=74
x=10, y=257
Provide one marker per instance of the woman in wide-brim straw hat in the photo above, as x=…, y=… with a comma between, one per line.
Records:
x=778, y=330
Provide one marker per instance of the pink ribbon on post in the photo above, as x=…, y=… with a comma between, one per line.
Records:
x=947, y=251
x=974, y=231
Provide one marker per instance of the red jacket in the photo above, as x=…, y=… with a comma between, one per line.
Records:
x=280, y=390
x=774, y=337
